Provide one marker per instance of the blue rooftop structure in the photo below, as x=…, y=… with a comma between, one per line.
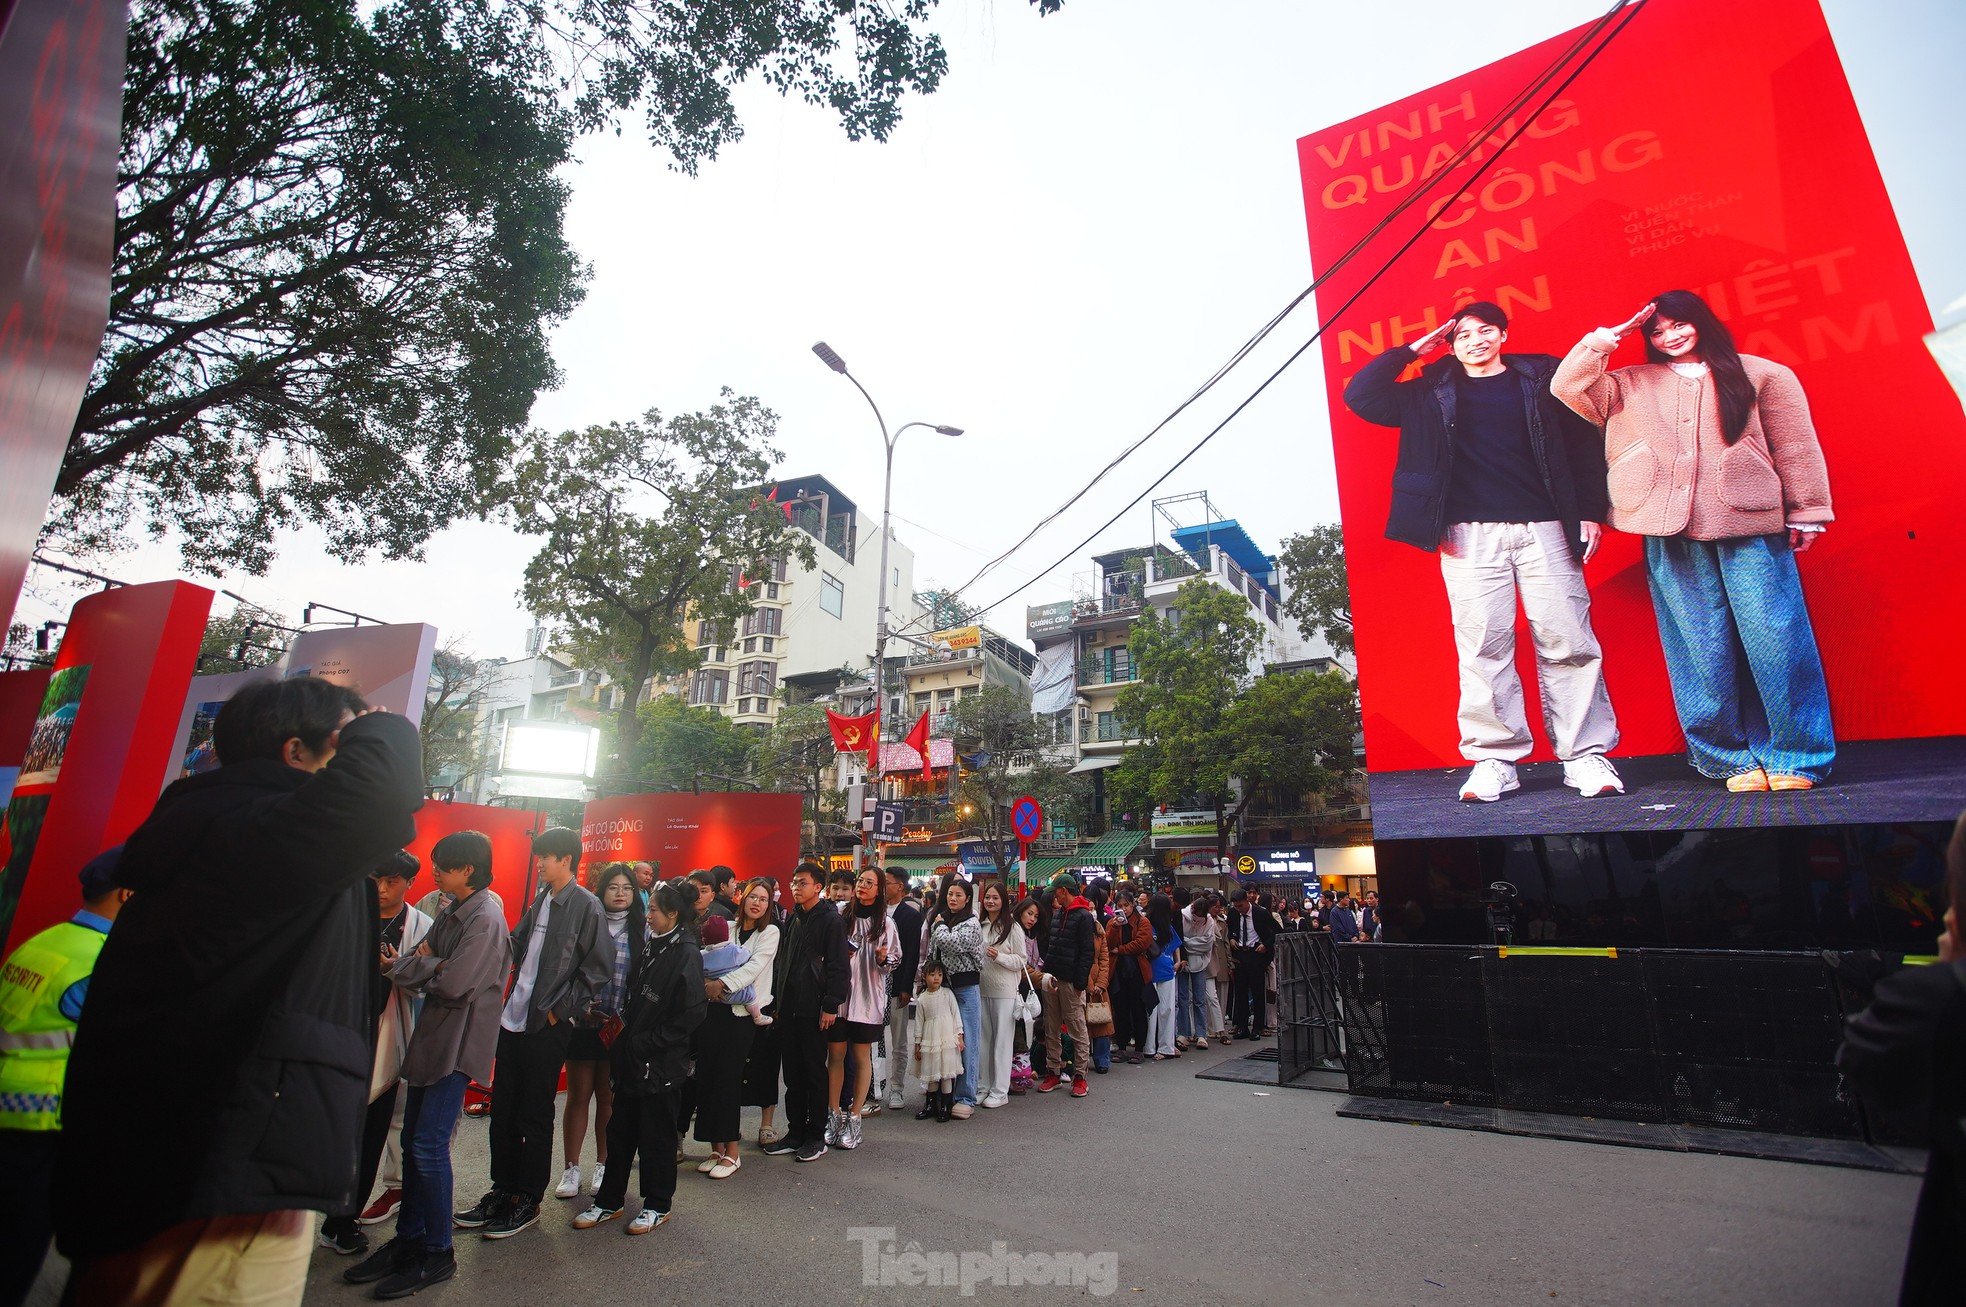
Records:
x=1234, y=542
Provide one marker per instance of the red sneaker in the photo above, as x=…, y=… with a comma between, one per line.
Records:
x=1047, y=1084
x=382, y=1208
x=1079, y=1088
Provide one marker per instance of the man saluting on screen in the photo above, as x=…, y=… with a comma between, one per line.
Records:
x=1508, y=486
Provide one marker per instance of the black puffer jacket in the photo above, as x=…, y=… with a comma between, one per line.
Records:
x=664, y=1010
x=1569, y=450
x=222, y=1061
x=1069, y=953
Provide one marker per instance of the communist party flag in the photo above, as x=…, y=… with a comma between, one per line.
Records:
x=854, y=733
x=918, y=741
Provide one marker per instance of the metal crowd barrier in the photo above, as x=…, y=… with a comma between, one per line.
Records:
x=1735, y=1040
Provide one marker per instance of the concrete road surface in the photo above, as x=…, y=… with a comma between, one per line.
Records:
x=1162, y=1188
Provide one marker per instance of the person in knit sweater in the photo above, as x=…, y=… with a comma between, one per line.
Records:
x=1714, y=460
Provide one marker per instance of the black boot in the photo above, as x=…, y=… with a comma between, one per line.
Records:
x=928, y=1106
x=945, y=1105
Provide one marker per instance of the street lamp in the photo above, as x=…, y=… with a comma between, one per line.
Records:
x=831, y=359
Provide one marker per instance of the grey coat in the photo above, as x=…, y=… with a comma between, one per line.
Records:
x=462, y=981
x=576, y=958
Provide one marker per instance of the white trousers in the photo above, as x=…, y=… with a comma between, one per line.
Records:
x=993, y=1062
x=1160, y=1022
x=1487, y=566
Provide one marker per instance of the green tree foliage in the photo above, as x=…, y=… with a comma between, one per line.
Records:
x=1005, y=754
x=1294, y=731
x=338, y=251
x=679, y=743
x=648, y=527
x=1320, y=600
x=1212, y=733
x=1192, y=665
x=456, y=697
x=797, y=754
x=340, y=245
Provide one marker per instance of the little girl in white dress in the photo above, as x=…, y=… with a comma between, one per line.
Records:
x=938, y=1044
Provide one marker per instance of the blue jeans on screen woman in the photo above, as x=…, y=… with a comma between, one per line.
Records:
x=429, y=1116
x=1191, y=1005
x=1747, y=680
x=969, y=1002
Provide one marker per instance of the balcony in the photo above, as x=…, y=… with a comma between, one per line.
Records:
x=1171, y=569
x=1106, y=731
x=1093, y=671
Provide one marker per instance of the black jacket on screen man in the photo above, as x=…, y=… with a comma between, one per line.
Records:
x=1569, y=451
x=222, y=1061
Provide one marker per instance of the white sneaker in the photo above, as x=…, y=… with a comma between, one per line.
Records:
x=996, y=1100
x=600, y=1170
x=645, y=1220
x=569, y=1183
x=594, y=1215
x=894, y=1099
x=1489, y=781
x=1592, y=775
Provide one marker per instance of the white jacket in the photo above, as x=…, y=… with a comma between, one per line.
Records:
x=1000, y=974
x=392, y=1036
x=764, y=947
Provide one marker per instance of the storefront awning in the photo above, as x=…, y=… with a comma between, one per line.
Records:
x=1094, y=764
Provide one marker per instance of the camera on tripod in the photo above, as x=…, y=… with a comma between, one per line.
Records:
x=1499, y=899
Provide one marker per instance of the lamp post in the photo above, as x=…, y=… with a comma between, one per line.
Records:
x=832, y=360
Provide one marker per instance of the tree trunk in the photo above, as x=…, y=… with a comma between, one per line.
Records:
x=627, y=720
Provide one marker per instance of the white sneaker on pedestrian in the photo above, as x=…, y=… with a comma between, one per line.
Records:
x=894, y=1099
x=996, y=1100
x=850, y=1133
x=569, y=1184
x=600, y=1170
x=646, y=1219
x=1592, y=775
x=1489, y=781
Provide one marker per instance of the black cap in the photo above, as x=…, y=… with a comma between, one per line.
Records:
x=98, y=874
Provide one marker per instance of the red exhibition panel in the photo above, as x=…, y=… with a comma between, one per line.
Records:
x=1714, y=148
x=511, y=831
x=105, y=729
x=753, y=834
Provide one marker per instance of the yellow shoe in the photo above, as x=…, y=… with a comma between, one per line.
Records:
x=1752, y=782
x=1790, y=783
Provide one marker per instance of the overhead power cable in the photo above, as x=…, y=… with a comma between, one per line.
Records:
x=1413, y=196
x=1631, y=11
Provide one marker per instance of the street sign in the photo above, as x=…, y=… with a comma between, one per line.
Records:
x=1027, y=818
x=889, y=821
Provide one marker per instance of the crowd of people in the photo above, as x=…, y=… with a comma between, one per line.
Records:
x=248, y=1023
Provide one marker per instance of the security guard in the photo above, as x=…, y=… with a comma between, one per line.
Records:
x=42, y=985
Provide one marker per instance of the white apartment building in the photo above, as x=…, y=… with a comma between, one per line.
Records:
x=807, y=625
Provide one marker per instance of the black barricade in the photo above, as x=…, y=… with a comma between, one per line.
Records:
x=1734, y=1040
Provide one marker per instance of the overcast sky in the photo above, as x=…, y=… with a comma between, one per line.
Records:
x=1051, y=252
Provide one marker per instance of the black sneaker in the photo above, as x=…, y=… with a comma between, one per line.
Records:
x=473, y=1218
x=812, y=1150
x=341, y=1236
x=783, y=1146
x=431, y=1267
x=395, y=1255
x=518, y=1215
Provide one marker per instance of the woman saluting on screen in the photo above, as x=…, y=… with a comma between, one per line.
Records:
x=1713, y=459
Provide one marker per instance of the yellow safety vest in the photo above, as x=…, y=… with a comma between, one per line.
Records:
x=34, y=1035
